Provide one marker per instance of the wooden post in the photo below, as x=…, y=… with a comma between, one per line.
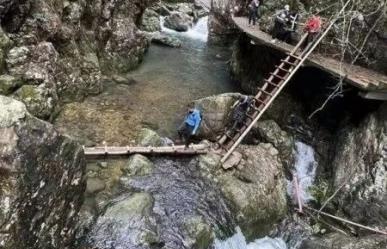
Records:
x=297, y=190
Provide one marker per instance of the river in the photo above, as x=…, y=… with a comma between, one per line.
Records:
x=157, y=93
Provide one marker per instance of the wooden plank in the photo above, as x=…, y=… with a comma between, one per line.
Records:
x=170, y=150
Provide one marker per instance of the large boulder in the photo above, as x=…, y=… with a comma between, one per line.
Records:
x=360, y=164
x=179, y=21
x=41, y=181
x=127, y=223
x=215, y=111
x=255, y=189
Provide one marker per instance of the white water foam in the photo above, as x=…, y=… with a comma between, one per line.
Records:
x=238, y=241
x=198, y=32
x=305, y=166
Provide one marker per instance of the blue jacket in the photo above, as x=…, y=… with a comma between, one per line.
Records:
x=193, y=119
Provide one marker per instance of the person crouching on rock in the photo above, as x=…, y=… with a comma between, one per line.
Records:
x=190, y=126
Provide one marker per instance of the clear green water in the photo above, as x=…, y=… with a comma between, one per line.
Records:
x=166, y=81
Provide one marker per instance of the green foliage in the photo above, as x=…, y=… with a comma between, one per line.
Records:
x=320, y=191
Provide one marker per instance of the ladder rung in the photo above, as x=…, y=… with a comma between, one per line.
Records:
x=265, y=92
x=290, y=63
x=295, y=57
x=260, y=101
x=249, y=116
x=283, y=69
x=271, y=83
x=277, y=76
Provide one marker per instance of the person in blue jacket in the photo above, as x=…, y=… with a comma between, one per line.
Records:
x=190, y=125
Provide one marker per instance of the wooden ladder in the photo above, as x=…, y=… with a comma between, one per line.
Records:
x=272, y=87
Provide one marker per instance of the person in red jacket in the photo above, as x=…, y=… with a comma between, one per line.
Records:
x=313, y=27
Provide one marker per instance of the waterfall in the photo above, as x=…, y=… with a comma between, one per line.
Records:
x=305, y=166
x=198, y=32
x=238, y=241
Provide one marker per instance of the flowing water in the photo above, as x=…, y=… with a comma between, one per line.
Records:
x=157, y=93
x=238, y=241
x=305, y=167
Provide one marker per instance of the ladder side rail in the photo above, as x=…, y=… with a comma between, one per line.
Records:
x=283, y=84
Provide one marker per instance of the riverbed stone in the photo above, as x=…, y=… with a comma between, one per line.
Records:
x=95, y=185
x=138, y=165
x=126, y=223
x=41, y=181
x=216, y=113
x=148, y=137
x=179, y=21
x=165, y=39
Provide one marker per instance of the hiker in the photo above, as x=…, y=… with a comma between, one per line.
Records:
x=190, y=125
x=253, y=11
x=241, y=107
x=313, y=27
x=279, y=30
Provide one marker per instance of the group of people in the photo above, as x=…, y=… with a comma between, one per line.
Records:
x=285, y=24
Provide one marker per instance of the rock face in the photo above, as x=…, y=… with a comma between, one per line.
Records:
x=215, y=110
x=62, y=47
x=360, y=163
x=41, y=181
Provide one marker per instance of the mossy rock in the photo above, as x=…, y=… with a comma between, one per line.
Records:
x=138, y=165
x=200, y=233
x=148, y=137
x=8, y=83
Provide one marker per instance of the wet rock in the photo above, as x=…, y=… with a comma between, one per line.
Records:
x=125, y=224
x=256, y=189
x=215, y=111
x=138, y=165
x=164, y=39
x=150, y=21
x=200, y=233
x=41, y=181
x=270, y=132
x=335, y=240
x=94, y=185
x=40, y=101
x=360, y=164
x=179, y=21
x=148, y=137
x=8, y=84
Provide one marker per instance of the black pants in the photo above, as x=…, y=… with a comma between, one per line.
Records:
x=185, y=133
x=253, y=16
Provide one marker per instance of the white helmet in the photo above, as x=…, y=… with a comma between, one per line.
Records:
x=287, y=7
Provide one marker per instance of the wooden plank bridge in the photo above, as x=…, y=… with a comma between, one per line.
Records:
x=162, y=150
x=365, y=79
